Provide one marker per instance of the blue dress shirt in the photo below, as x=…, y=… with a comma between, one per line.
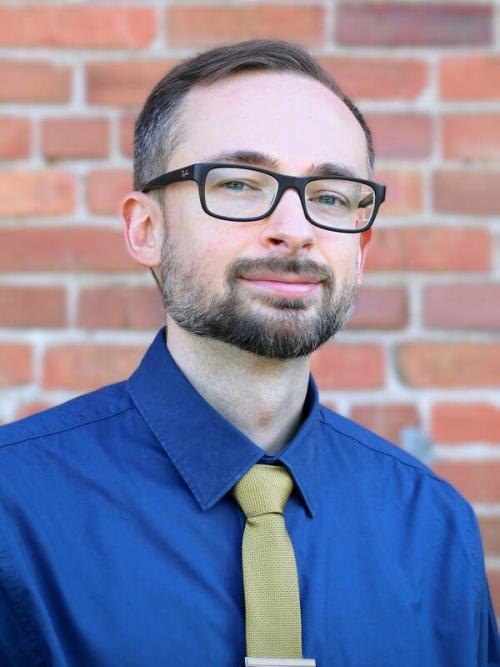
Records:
x=120, y=543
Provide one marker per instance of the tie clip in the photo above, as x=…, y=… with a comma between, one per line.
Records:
x=280, y=662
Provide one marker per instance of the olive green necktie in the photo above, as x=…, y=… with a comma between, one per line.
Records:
x=272, y=601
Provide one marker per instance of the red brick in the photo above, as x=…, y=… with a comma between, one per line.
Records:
x=106, y=188
x=490, y=534
x=464, y=423
x=121, y=308
x=346, y=366
x=71, y=249
x=127, y=125
x=15, y=364
x=466, y=192
x=398, y=135
x=207, y=25
x=89, y=366
x=386, y=420
x=24, y=193
x=449, y=364
x=34, y=81
x=477, y=481
x=75, y=138
x=22, y=306
x=124, y=83
x=494, y=585
x=462, y=306
x=399, y=24
x=378, y=78
x=404, y=192
x=380, y=308
x=470, y=77
x=471, y=136
x=429, y=249
x=32, y=408
x=76, y=26
x=15, y=138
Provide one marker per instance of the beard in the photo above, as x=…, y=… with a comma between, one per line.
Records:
x=265, y=324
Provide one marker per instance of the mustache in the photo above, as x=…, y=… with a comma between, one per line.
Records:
x=306, y=267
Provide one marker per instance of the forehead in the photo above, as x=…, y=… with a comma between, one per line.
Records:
x=293, y=118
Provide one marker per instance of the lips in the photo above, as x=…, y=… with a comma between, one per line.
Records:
x=282, y=284
x=291, y=278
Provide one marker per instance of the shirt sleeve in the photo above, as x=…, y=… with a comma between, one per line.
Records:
x=488, y=640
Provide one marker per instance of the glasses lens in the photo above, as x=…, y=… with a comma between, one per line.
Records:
x=239, y=193
x=340, y=204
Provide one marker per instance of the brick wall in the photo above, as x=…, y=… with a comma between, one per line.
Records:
x=423, y=348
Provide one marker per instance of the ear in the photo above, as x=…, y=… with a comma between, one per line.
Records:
x=144, y=228
x=361, y=258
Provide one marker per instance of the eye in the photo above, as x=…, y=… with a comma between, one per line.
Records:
x=330, y=199
x=237, y=186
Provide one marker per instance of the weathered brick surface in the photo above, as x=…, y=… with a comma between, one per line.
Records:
x=388, y=420
x=378, y=78
x=41, y=193
x=477, y=481
x=404, y=192
x=106, y=188
x=462, y=306
x=34, y=81
x=343, y=366
x=15, y=364
x=85, y=367
x=471, y=77
x=490, y=533
x=434, y=364
x=494, y=584
x=15, y=137
x=419, y=24
x=76, y=26
x=462, y=423
x=120, y=308
x=32, y=408
x=123, y=84
x=467, y=191
x=31, y=306
x=57, y=249
x=401, y=135
x=430, y=248
x=65, y=138
x=471, y=136
x=200, y=25
x=380, y=308
x=127, y=124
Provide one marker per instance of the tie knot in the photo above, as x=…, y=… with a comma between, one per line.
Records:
x=264, y=489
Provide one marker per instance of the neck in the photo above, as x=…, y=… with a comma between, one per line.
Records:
x=262, y=397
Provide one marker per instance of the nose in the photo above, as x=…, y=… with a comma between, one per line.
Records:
x=287, y=229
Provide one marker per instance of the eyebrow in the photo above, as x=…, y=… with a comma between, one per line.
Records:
x=258, y=159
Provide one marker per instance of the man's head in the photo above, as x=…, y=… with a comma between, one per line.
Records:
x=278, y=287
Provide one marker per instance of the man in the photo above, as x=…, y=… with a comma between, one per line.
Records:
x=130, y=536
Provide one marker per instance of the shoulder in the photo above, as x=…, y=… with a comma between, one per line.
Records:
x=372, y=452
x=66, y=418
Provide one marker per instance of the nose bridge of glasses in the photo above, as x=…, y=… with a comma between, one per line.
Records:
x=286, y=183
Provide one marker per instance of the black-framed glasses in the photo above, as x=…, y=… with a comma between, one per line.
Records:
x=243, y=193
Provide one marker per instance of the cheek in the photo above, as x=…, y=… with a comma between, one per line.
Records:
x=207, y=246
x=342, y=256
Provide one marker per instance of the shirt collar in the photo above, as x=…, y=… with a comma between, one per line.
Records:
x=208, y=451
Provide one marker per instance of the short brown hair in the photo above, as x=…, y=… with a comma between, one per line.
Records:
x=158, y=127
